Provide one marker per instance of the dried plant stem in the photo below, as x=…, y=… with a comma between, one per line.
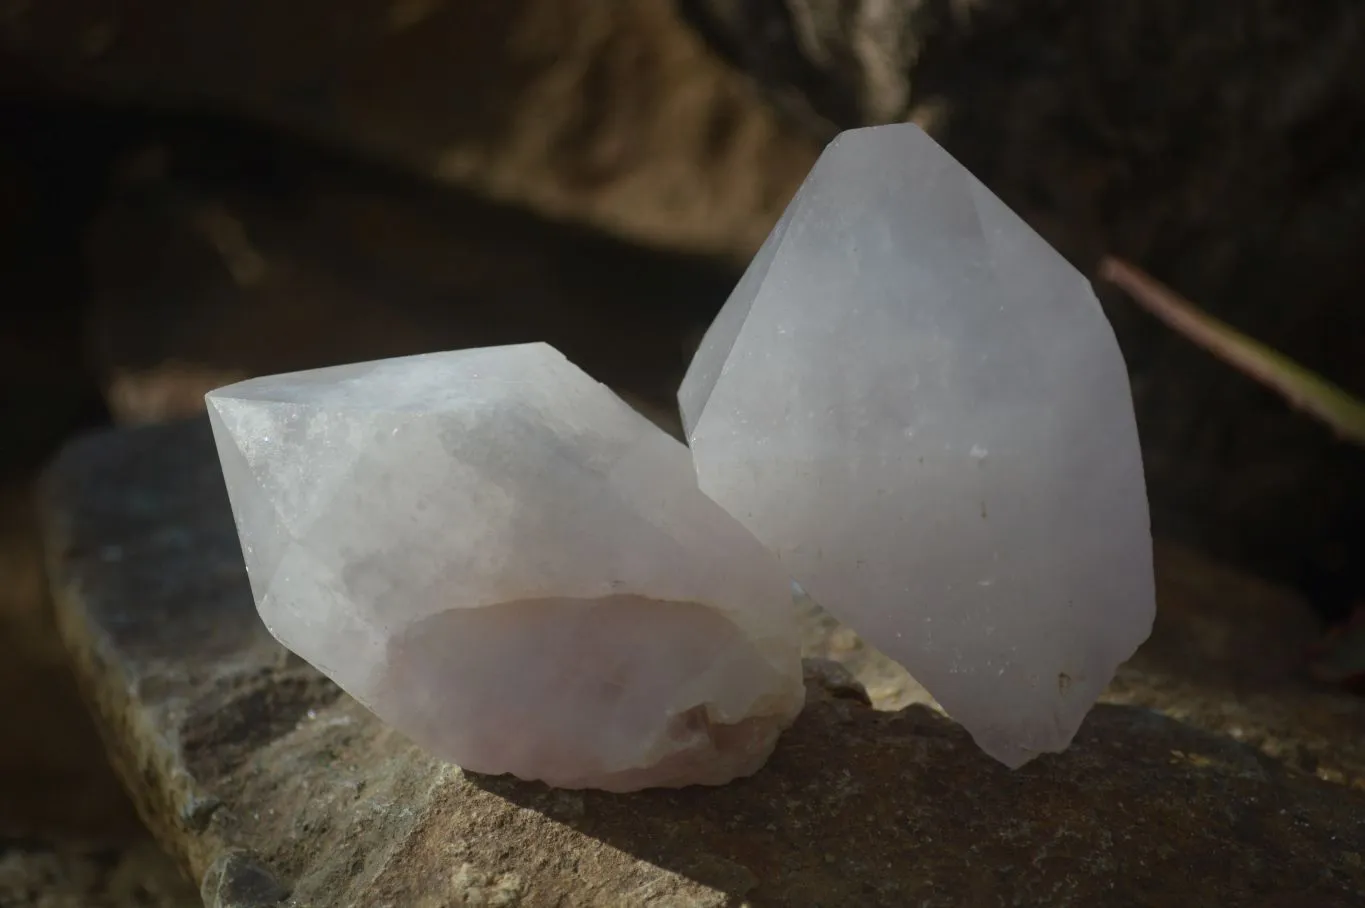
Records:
x=1301, y=387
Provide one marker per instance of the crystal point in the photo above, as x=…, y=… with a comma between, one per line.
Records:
x=920, y=407
x=503, y=560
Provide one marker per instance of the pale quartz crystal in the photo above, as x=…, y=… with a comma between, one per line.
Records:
x=920, y=407
x=503, y=560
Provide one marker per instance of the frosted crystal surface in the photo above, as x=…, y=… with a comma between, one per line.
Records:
x=502, y=559
x=920, y=407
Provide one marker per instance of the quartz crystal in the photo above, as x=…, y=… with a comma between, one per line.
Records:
x=920, y=407
x=503, y=560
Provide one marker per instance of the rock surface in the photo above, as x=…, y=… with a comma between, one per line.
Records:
x=615, y=114
x=249, y=764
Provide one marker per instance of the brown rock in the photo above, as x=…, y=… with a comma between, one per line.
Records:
x=611, y=113
x=830, y=64
x=238, y=879
x=1217, y=144
x=233, y=747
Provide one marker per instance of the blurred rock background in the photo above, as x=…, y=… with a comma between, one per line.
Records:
x=194, y=191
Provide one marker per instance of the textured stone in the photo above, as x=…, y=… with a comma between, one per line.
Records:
x=920, y=407
x=238, y=880
x=501, y=558
x=829, y=63
x=611, y=114
x=228, y=743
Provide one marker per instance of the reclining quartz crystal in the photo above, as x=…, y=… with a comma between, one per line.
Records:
x=503, y=560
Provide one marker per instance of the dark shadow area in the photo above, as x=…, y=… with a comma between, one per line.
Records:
x=51, y=184
x=352, y=260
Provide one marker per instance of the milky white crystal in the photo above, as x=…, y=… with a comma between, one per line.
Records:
x=920, y=407
x=503, y=560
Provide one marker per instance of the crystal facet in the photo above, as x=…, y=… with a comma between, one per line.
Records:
x=920, y=407
x=502, y=559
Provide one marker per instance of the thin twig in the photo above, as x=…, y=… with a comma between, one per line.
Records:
x=1301, y=387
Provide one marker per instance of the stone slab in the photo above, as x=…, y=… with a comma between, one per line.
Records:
x=263, y=780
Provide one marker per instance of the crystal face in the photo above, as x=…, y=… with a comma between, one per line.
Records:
x=503, y=560
x=919, y=406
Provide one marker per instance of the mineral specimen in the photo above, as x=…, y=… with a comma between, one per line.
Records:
x=503, y=560
x=920, y=407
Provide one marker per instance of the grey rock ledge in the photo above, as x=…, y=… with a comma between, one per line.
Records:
x=230, y=745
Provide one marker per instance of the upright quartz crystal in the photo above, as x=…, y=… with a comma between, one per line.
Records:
x=506, y=562
x=920, y=407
